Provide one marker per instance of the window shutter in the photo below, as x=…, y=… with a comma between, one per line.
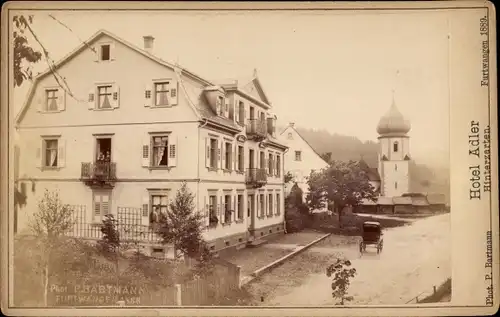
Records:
x=112, y=55
x=145, y=206
x=172, y=150
x=243, y=158
x=97, y=208
x=61, y=153
x=40, y=100
x=61, y=94
x=235, y=157
x=219, y=210
x=148, y=96
x=235, y=209
x=174, y=93
x=226, y=108
x=105, y=205
x=258, y=211
x=116, y=96
x=236, y=111
x=223, y=154
x=92, y=99
x=206, y=215
x=207, y=155
x=146, y=151
x=38, y=154
x=219, y=161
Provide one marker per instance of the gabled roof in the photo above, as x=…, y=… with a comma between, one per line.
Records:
x=194, y=96
x=293, y=128
x=240, y=85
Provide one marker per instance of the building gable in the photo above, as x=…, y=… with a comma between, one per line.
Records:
x=254, y=89
x=297, y=142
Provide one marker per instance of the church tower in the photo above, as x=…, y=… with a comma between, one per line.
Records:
x=394, y=153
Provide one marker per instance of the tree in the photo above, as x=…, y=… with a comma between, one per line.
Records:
x=182, y=227
x=296, y=211
x=342, y=183
x=288, y=178
x=341, y=279
x=327, y=157
x=23, y=52
x=109, y=244
x=51, y=221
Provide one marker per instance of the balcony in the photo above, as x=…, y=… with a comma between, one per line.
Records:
x=100, y=174
x=256, y=177
x=256, y=129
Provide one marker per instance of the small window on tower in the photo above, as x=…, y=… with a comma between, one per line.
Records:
x=395, y=146
x=395, y=167
x=396, y=185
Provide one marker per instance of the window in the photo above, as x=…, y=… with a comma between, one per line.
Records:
x=270, y=203
x=240, y=207
x=220, y=106
x=50, y=152
x=213, y=153
x=298, y=155
x=262, y=160
x=278, y=165
x=395, y=185
x=395, y=146
x=51, y=100
x=105, y=52
x=228, y=156
x=160, y=149
x=278, y=204
x=101, y=205
x=159, y=207
x=212, y=210
x=240, y=158
x=104, y=93
x=161, y=94
x=227, y=208
x=270, y=165
x=242, y=113
x=290, y=136
x=250, y=205
x=262, y=205
x=395, y=167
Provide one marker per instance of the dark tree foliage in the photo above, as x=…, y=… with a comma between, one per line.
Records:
x=110, y=241
x=342, y=183
x=23, y=52
x=182, y=227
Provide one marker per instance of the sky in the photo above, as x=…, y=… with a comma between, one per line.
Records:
x=335, y=70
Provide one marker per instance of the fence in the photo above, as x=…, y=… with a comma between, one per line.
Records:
x=129, y=226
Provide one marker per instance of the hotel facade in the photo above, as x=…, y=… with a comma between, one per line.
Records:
x=125, y=129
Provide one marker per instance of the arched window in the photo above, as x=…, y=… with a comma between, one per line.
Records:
x=395, y=146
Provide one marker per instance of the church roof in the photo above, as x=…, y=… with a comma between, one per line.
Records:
x=393, y=122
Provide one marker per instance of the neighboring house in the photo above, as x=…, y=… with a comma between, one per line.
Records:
x=300, y=159
x=131, y=128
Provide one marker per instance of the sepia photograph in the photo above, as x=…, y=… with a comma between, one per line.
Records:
x=180, y=156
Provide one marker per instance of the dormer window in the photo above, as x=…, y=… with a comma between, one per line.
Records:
x=220, y=106
x=105, y=52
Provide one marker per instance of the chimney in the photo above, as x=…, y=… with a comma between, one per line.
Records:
x=148, y=43
x=292, y=124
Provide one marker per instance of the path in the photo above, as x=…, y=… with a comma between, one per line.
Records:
x=414, y=258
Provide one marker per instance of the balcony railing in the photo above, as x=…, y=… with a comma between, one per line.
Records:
x=99, y=171
x=256, y=176
x=257, y=127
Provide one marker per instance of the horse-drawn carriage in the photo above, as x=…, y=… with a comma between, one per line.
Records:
x=372, y=235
